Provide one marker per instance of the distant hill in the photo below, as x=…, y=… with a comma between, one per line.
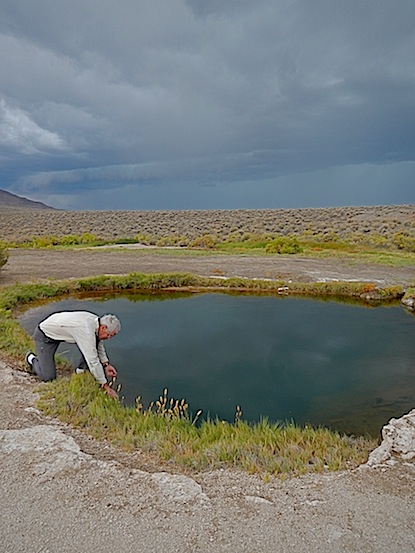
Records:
x=9, y=200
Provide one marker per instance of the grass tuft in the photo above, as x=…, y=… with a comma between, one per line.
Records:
x=265, y=448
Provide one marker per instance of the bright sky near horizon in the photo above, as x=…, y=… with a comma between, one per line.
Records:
x=208, y=104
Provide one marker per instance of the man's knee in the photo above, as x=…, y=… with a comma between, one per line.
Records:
x=46, y=379
x=46, y=374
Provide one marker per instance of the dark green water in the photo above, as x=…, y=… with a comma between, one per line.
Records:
x=344, y=366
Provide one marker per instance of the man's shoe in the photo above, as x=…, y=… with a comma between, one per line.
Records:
x=29, y=360
x=78, y=370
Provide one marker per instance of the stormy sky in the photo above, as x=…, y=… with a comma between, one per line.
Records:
x=208, y=104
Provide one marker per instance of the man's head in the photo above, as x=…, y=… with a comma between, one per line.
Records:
x=109, y=327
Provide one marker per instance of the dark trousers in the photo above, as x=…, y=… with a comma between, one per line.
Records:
x=44, y=364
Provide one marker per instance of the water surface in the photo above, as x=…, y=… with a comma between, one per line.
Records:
x=348, y=367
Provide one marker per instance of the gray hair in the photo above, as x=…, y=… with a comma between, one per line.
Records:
x=111, y=322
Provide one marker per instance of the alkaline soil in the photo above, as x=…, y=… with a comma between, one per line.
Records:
x=25, y=265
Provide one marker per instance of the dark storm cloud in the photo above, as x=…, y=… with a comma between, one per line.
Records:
x=201, y=102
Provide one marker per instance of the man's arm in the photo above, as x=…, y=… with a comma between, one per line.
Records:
x=110, y=370
x=87, y=345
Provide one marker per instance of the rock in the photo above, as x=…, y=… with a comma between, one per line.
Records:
x=178, y=488
x=398, y=441
x=409, y=302
x=257, y=500
x=51, y=450
x=372, y=295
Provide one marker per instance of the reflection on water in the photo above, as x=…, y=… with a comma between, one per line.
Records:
x=339, y=365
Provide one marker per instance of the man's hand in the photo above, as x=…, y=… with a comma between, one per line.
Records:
x=108, y=390
x=110, y=371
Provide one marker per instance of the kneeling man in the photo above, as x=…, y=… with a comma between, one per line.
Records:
x=82, y=328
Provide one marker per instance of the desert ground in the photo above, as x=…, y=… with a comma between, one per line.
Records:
x=368, y=224
x=348, y=223
x=27, y=265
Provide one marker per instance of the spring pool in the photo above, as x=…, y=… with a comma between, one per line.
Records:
x=340, y=365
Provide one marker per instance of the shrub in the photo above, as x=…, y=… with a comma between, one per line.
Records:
x=69, y=240
x=206, y=242
x=378, y=240
x=404, y=241
x=4, y=255
x=172, y=240
x=284, y=244
x=88, y=238
x=145, y=239
x=45, y=241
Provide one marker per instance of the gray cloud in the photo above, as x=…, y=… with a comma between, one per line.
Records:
x=154, y=98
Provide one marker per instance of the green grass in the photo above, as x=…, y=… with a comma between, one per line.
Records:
x=264, y=448
x=398, y=250
x=349, y=253
x=4, y=254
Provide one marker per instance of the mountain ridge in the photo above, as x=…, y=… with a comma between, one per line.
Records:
x=9, y=200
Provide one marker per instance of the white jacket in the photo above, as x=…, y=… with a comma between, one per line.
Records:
x=80, y=328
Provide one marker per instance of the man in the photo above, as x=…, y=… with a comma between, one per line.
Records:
x=82, y=328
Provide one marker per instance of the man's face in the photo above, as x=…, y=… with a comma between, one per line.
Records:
x=103, y=333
